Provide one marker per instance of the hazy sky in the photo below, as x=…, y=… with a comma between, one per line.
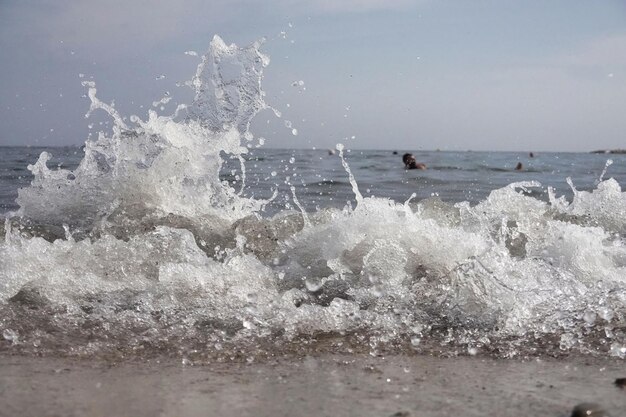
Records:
x=407, y=75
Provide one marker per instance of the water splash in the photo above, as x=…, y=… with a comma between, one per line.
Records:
x=609, y=162
x=143, y=250
x=355, y=189
x=305, y=216
x=160, y=167
x=228, y=87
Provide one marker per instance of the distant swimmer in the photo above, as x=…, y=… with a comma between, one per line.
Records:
x=411, y=163
x=395, y=152
x=532, y=155
x=519, y=166
x=331, y=152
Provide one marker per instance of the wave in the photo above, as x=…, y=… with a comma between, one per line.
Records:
x=143, y=250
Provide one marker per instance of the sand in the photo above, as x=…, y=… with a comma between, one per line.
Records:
x=327, y=385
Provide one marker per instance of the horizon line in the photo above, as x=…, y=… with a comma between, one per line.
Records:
x=315, y=148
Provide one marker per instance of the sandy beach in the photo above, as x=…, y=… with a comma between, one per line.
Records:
x=327, y=385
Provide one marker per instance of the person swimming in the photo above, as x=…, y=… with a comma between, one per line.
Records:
x=519, y=166
x=411, y=163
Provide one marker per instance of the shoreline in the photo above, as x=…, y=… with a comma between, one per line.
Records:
x=326, y=384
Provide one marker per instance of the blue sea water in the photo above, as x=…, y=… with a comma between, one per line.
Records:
x=321, y=181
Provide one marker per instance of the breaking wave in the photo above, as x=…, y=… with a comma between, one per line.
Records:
x=143, y=250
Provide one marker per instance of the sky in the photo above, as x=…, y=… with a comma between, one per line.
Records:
x=499, y=75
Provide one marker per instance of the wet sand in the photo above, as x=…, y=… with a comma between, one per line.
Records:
x=327, y=385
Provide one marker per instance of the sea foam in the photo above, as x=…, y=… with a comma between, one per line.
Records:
x=143, y=250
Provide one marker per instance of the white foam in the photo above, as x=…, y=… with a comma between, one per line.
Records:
x=145, y=229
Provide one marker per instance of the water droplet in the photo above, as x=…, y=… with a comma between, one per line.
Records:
x=568, y=340
x=605, y=313
x=618, y=350
x=313, y=285
x=416, y=340
x=11, y=335
x=589, y=317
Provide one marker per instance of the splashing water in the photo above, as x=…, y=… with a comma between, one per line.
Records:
x=143, y=250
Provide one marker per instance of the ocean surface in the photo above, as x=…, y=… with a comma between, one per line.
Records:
x=179, y=234
x=322, y=182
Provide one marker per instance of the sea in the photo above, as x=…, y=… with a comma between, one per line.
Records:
x=181, y=235
x=322, y=182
